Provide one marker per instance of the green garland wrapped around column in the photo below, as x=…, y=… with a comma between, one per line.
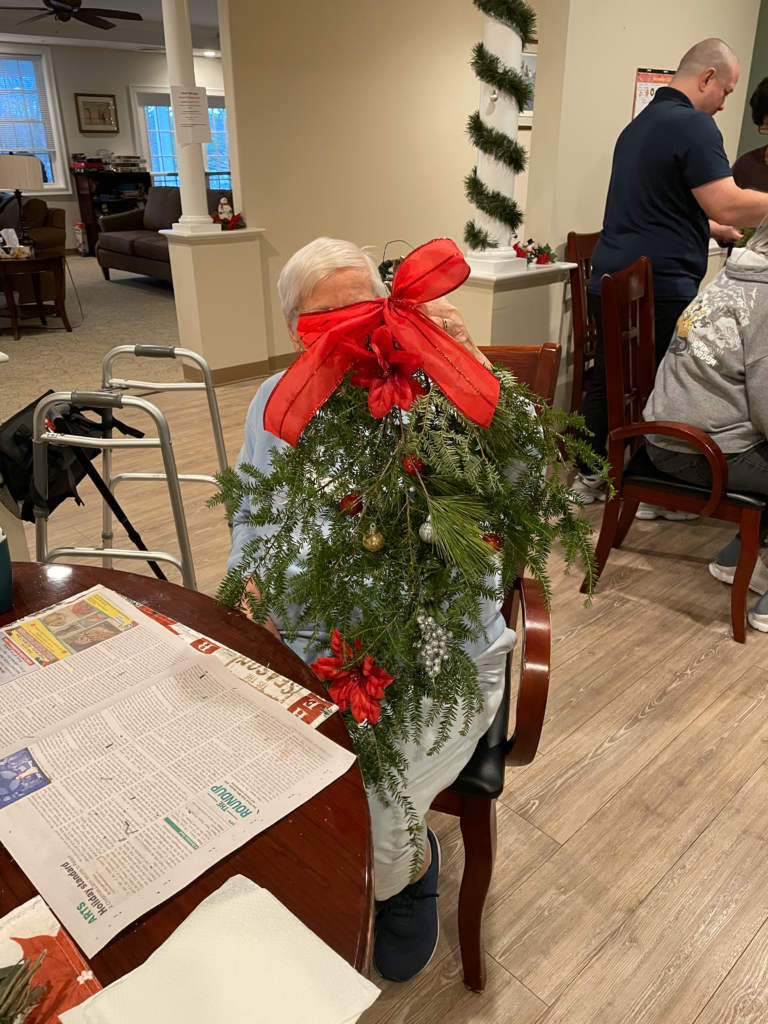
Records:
x=500, y=215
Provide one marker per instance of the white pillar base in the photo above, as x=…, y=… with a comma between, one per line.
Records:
x=498, y=262
x=195, y=224
x=217, y=280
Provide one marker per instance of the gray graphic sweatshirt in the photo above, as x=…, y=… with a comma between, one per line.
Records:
x=715, y=372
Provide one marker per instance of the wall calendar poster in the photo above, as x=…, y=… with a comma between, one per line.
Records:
x=647, y=81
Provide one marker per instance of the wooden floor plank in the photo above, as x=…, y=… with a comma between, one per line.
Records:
x=563, y=789
x=552, y=925
x=742, y=998
x=669, y=957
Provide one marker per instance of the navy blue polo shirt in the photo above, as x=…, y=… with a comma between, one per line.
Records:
x=669, y=149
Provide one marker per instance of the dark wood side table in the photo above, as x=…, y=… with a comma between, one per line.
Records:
x=318, y=861
x=9, y=269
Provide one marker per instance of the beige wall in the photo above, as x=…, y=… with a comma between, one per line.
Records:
x=350, y=121
x=88, y=69
x=588, y=54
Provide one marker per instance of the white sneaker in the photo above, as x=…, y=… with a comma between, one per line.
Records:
x=645, y=511
x=758, y=583
x=589, y=487
x=758, y=621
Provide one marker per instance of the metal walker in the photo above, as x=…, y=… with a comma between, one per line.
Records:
x=42, y=437
x=112, y=384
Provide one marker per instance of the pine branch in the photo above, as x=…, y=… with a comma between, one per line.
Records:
x=478, y=238
x=514, y=13
x=496, y=144
x=491, y=70
x=493, y=203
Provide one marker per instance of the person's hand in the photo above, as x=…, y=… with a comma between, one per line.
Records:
x=724, y=233
x=449, y=319
x=269, y=624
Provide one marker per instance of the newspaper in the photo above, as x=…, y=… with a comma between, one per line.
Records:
x=302, y=703
x=130, y=763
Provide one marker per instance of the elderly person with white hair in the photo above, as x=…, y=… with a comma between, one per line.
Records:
x=324, y=275
x=715, y=377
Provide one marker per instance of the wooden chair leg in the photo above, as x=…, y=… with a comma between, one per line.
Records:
x=750, y=552
x=607, y=537
x=626, y=519
x=478, y=830
x=61, y=302
x=105, y=272
x=578, y=378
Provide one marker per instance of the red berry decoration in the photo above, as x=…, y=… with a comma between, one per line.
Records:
x=413, y=464
x=352, y=504
x=494, y=540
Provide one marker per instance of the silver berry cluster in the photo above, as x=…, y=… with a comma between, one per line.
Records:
x=434, y=643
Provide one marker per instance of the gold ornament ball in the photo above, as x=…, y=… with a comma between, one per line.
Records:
x=373, y=540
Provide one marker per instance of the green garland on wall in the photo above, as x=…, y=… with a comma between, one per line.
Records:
x=508, y=82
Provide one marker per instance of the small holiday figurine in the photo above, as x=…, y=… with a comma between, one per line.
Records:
x=226, y=213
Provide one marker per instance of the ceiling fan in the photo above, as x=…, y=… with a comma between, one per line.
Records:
x=65, y=10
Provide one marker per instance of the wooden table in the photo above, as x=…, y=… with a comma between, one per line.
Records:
x=318, y=861
x=31, y=310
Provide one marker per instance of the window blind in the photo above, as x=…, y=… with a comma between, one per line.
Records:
x=25, y=113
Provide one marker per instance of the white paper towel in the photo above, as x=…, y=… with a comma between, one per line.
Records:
x=240, y=958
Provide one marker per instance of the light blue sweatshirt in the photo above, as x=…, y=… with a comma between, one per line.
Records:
x=257, y=451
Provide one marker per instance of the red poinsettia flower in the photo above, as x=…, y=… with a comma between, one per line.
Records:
x=358, y=686
x=386, y=372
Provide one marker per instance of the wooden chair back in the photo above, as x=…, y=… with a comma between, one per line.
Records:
x=578, y=249
x=534, y=365
x=629, y=338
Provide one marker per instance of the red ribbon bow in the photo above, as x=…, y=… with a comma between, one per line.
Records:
x=427, y=273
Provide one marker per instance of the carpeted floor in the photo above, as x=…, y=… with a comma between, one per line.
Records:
x=127, y=310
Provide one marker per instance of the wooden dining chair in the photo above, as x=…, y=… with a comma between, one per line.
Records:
x=578, y=249
x=630, y=361
x=534, y=365
x=472, y=797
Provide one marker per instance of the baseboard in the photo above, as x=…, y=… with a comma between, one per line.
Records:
x=245, y=371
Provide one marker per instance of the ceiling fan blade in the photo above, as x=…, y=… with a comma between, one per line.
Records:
x=26, y=21
x=27, y=9
x=91, y=19
x=122, y=15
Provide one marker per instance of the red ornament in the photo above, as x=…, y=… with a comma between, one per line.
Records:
x=351, y=504
x=428, y=272
x=494, y=540
x=386, y=372
x=358, y=686
x=413, y=464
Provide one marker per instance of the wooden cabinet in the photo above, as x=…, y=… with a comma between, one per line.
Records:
x=101, y=192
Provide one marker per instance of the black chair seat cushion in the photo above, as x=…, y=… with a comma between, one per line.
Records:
x=123, y=241
x=642, y=472
x=153, y=247
x=483, y=775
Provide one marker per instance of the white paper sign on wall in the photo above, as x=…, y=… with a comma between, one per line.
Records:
x=190, y=115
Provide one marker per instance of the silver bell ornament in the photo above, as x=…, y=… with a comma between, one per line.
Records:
x=426, y=532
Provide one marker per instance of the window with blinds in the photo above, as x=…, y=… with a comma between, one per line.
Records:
x=25, y=112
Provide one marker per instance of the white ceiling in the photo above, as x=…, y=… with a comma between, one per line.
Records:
x=201, y=12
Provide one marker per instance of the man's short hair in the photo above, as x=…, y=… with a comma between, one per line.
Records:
x=759, y=103
x=709, y=53
x=312, y=264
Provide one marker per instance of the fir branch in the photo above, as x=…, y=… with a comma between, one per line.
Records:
x=510, y=83
x=492, y=202
x=478, y=239
x=514, y=13
x=496, y=144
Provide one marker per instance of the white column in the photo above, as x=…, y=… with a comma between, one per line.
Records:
x=181, y=71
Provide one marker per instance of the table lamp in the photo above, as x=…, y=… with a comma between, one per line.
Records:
x=19, y=173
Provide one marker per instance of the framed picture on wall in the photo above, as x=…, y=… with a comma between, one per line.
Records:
x=528, y=71
x=96, y=114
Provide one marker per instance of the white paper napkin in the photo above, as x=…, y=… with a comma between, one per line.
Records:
x=240, y=958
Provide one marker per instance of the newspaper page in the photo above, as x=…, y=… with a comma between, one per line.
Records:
x=130, y=764
x=302, y=703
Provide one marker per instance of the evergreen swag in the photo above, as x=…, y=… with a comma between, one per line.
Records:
x=351, y=476
x=510, y=83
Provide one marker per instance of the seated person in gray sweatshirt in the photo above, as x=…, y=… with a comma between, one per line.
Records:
x=715, y=376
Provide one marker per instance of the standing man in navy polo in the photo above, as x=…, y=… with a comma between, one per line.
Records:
x=671, y=186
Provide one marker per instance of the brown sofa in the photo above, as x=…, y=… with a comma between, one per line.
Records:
x=131, y=241
x=48, y=228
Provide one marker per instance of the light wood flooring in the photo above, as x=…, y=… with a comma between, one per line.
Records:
x=631, y=883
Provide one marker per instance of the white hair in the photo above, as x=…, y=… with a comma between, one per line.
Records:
x=759, y=241
x=312, y=264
